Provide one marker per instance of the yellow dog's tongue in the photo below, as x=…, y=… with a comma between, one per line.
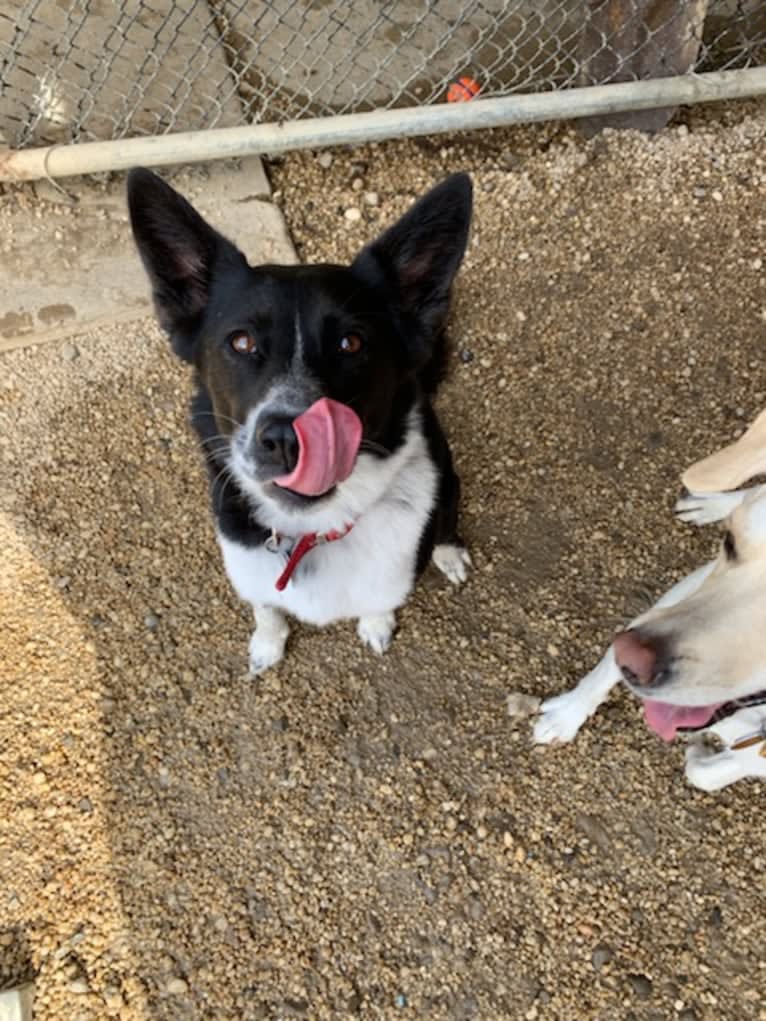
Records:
x=329, y=434
x=665, y=719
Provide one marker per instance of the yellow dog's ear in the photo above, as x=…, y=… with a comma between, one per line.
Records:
x=732, y=466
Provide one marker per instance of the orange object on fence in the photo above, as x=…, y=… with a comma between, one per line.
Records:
x=463, y=90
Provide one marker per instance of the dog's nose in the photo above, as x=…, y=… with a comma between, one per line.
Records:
x=637, y=657
x=277, y=444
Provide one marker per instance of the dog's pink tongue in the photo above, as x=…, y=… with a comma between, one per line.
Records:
x=665, y=719
x=329, y=434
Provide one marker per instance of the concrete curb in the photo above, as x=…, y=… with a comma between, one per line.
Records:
x=68, y=266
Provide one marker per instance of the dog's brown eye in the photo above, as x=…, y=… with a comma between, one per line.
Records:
x=351, y=344
x=243, y=343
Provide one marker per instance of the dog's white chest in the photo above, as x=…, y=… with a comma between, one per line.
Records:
x=368, y=572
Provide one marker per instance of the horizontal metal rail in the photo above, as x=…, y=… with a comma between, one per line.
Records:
x=357, y=129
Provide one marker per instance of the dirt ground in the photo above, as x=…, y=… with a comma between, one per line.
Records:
x=361, y=837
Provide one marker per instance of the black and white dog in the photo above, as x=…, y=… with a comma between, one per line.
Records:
x=332, y=482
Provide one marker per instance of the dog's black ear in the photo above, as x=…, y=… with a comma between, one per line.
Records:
x=180, y=253
x=420, y=255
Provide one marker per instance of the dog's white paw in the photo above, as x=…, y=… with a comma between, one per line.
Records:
x=709, y=770
x=267, y=643
x=266, y=650
x=560, y=719
x=453, y=561
x=377, y=632
x=705, y=508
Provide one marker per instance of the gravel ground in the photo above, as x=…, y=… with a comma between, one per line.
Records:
x=352, y=836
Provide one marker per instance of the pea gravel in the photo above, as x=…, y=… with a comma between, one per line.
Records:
x=376, y=838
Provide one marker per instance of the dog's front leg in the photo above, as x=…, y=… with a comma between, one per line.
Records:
x=561, y=717
x=449, y=554
x=267, y=644
x=377, y=631
x=710, y=771
x=705, y=508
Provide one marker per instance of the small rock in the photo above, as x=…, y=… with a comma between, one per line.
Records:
x=474, y=909
x=641, y=986
x=113, y=999
x=466, y=356
x=699, y=193
x=354, y=1002
x=520, y=705
x=152, y=621
x=177, y=987
x=293, y=1008
x=357, y=184
x=594, y=830
x=70, y=352
x=80, y=985
x=85, y=805
x=49, y=191
x=509, y=160
x=353, y=215
x=371, y=198
x=716, y=196
x=602, y=954
x=400, y=1000
x=257, y=909
x=325, y=160
x=468, y=1008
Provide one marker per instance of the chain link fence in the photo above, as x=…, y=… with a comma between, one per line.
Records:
x=84, y=70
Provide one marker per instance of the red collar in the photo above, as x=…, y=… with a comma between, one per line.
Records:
x=304, y=545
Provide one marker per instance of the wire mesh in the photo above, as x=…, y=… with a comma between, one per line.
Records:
x=74, y=70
